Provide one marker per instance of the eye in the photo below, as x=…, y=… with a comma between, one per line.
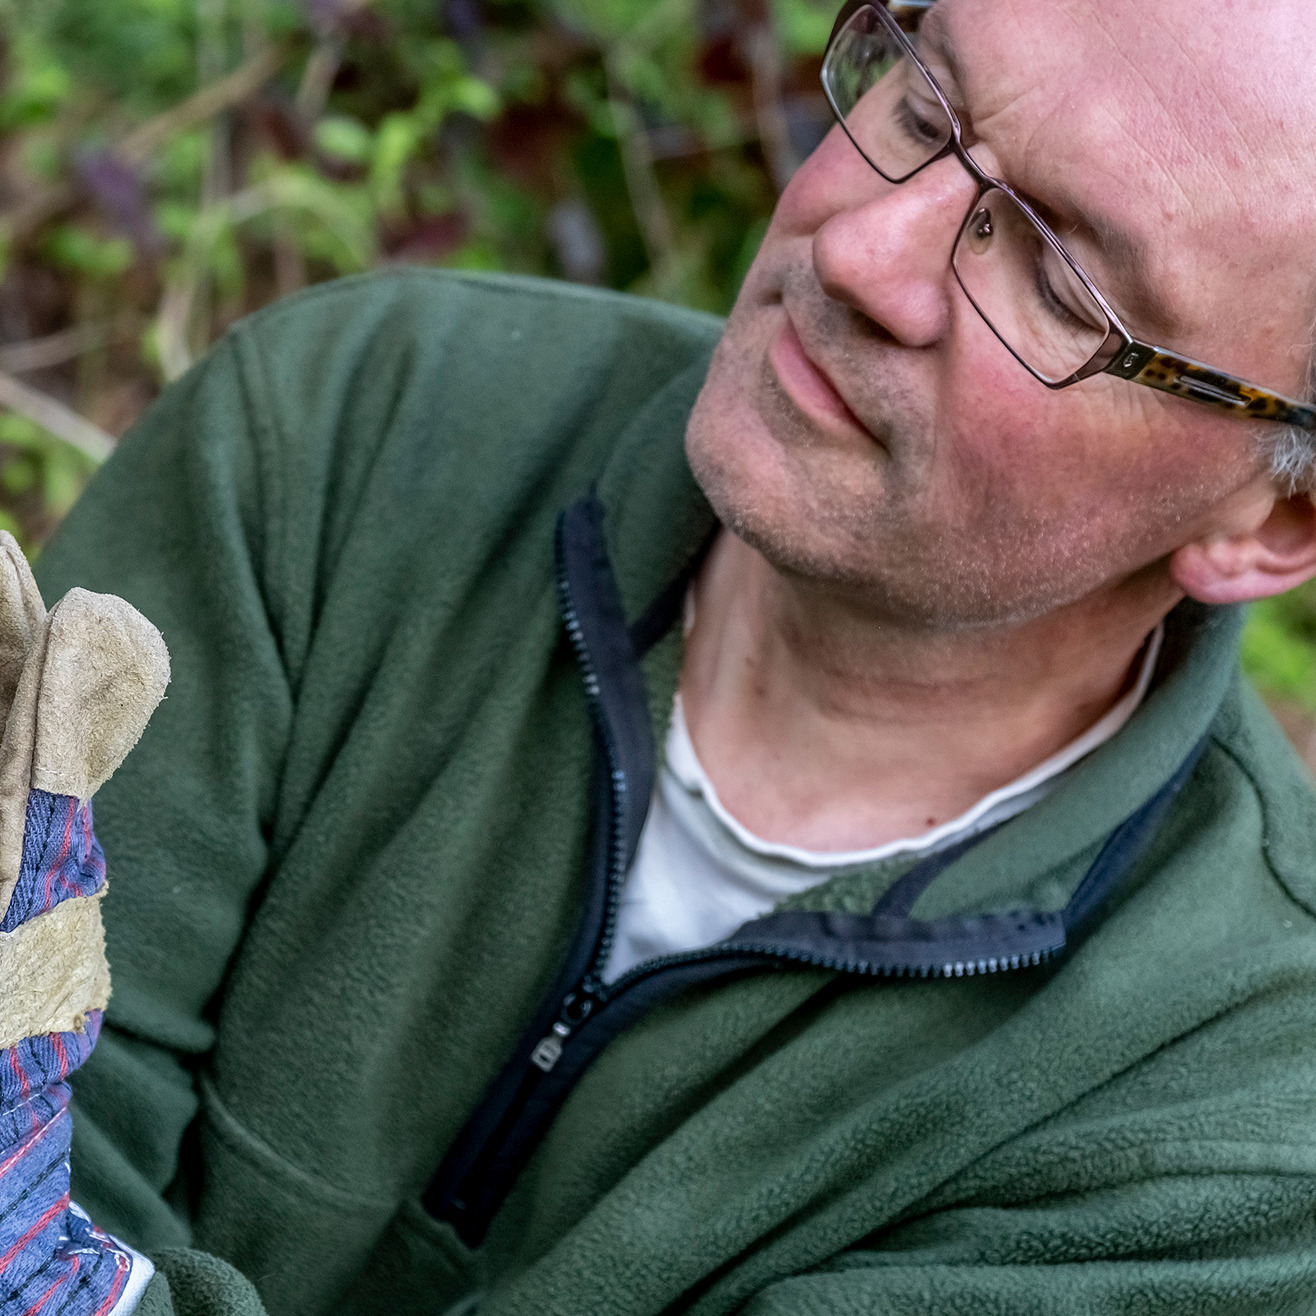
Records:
x=916, y=127
x=1062, y=293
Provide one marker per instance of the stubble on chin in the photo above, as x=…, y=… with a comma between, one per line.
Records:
x=815, y=508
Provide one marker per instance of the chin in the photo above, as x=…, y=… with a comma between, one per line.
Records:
x=771, y=500
x=806, y=501
x=893, y=561
x=747, y=474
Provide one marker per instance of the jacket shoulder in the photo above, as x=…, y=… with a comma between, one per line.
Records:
x=497, y=367
x=494, y=306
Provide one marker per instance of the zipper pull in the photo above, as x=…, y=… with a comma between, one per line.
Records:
x=576, y=1008
x=549, y=1050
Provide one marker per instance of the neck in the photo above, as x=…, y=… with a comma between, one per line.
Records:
x=827, y=726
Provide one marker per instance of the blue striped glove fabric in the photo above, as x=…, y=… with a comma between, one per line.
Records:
x=77, y=686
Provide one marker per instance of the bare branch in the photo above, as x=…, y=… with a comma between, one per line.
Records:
x=53, y=349
x=54, y=417
x=206, y=102
x=769, y=107
x=641, y=180
x=318, y=77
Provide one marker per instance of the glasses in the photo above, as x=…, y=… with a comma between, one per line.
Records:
x=1020, y=278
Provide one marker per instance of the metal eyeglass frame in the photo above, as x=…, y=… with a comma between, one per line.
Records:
x=1121, y=355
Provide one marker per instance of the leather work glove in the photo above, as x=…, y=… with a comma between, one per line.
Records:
x=77, y=686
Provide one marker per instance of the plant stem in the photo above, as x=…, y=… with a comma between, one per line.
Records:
x=641, y=180
x=54, y=417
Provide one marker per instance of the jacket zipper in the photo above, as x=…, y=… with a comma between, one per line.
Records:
x=589, y=995
x=502, y=1133
x=580, y=1002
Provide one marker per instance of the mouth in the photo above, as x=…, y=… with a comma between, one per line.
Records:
x=808, y=386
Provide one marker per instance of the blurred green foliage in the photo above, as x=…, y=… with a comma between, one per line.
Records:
x=634, y=143
x=1279, y=648
x=167, y=166
x=40, y=476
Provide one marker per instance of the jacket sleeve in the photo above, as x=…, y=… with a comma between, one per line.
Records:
x=1185, y=1245
x=180, y=523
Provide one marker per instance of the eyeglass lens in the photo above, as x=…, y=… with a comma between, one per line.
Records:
x=889, y=108
x=1011, y=269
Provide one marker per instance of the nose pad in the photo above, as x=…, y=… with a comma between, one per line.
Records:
x=887, y=254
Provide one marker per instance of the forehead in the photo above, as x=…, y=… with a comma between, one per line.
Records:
x=1199, y=83
x=1190, y=124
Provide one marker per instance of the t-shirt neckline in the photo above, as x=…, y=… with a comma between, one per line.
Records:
x=995, y=807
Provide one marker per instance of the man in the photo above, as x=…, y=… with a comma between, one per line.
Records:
x=957, y=951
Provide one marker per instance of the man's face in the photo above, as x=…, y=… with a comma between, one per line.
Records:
x=864, y=428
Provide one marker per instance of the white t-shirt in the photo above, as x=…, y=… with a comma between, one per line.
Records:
x=699, y=873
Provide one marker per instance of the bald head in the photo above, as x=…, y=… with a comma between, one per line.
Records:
x=863, y=423
x=1183, y=134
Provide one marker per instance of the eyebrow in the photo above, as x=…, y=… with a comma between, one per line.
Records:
x=935, y=31
x=1126, y=252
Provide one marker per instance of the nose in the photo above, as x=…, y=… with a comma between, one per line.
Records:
x=886, y=251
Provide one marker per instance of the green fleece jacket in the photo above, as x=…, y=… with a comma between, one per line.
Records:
x=349, y=855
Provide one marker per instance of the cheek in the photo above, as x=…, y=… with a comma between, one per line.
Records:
x=1090, y=454
x=726, y=442
x=999, y=429
x=1097, y=463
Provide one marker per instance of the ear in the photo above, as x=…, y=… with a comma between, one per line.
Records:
x=1270, y=549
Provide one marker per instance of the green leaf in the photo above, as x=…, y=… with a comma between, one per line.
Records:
x=19, y=475
x=474, y=97
x=81, y=252
x=137, y=51
x=477, y=254
x=344, y=138
x=1277, y=654
x=395, y=143
x=38, y=86
x=803, y=26
x=182, y=162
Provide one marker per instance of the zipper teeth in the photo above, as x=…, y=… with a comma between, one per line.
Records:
x=983, y=967
x=617, y=780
